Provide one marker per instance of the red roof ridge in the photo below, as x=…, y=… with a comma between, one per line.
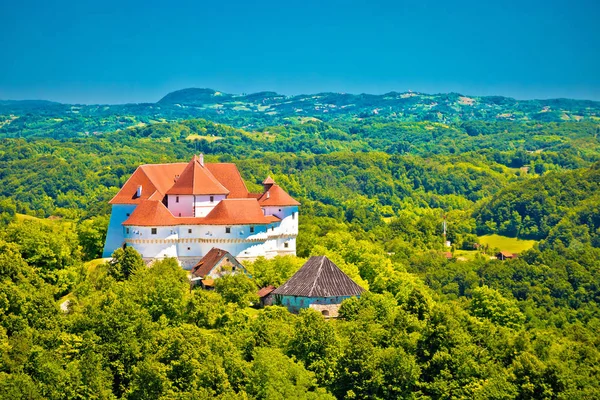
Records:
x=145, y=165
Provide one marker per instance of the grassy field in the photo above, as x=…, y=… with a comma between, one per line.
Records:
x=90, y=266
x=24, y=217
x=205, y=137
x=504, y=243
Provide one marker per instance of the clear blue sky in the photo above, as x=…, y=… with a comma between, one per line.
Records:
x=133, y=51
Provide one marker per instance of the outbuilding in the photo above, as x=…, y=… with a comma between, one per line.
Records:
x=319, y=284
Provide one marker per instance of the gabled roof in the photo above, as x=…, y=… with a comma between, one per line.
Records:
x=265, y=291
x=212, y=259
x=151, y=213
x=276, y=196
x=155, y=180
x=319, y=277
x=196, y=178
x=229, y=176
x=236, y=212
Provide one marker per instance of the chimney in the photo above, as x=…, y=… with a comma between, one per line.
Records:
x=268, y=195
x=202, y=159
x=138, y=192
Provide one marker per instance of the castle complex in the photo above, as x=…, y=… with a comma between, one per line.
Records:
x=183, y=210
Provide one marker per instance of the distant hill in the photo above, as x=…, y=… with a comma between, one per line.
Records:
x=43, y=118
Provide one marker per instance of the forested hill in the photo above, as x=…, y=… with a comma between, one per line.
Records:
x=50, y=119
x=562, y=206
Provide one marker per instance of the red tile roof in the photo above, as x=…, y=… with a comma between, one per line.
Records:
x=211, y=260
x=196, y=178
x=152, y=178
x=236, y=212
x=163, y=175
x=151, y=213
x=227, y=212
x=272, y=218
x=276, y=196
x=229, y=176
x=266, y=291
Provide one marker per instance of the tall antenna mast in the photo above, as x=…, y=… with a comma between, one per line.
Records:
x=444, y=226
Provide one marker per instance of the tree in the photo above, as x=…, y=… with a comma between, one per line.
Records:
x=275, y=376
x=489, y=303
x=237, y=288
x=92, y=233
x=315, y=344
x=124, y=262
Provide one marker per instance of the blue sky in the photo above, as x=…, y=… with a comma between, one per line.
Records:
x=137, y=51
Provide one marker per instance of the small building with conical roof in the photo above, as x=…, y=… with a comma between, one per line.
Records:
x=318, y=284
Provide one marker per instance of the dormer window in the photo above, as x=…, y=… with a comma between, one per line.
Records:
x=212, y=199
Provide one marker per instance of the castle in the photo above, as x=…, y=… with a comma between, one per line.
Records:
x=183, y=210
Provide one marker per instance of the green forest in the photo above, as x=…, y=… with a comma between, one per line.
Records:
x=374, y=192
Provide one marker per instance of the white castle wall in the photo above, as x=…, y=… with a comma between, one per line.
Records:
x=114, y=235
x=191, y=242
x=203, y=205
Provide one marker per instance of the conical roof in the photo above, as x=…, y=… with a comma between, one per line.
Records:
x=197, y=179
x=276, y=196
x=319, y=277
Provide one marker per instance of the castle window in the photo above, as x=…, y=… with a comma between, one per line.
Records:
x=251, y=229
x=286, y=245
x=180, y=214
x=127, y=231
x=212, y=199
x=128, y=214
x=189, y=248
x=153, y=231
x=190, y=230
x=294, y=215
x=176, y=199
x=228, y=229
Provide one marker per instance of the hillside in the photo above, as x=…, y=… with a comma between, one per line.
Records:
x=49, y=119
